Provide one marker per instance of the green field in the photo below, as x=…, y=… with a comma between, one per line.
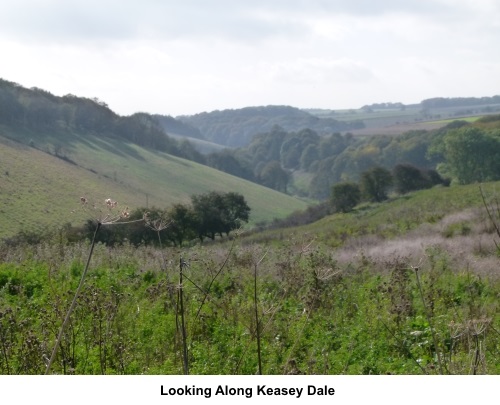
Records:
x=39, y=189
x=447, y=121
x=399, y=121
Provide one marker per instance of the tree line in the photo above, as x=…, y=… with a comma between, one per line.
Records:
x=374, y=185
x=235, y=128
x=207, y=215
x=273, y=157
x=464, y=152
x=41, y=112
x=441, y=102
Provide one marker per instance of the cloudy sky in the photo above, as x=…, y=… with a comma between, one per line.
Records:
x=189, y=56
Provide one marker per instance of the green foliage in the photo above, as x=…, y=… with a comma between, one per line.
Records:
x=209, y=214
x=274, y=176
x=407, y=178
x=410, y=178
x=374, y=184
x=227, y=162
x=37, y=109
x=218, y=213
x=181, y=224
x=472, y=154
x=345, y=196
x=235, y=128
x=334, y=158
x=309, y=156
x=134, y=176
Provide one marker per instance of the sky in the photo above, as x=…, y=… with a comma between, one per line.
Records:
x=190, y=56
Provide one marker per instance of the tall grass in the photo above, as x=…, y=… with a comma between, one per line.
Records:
x=295, y=305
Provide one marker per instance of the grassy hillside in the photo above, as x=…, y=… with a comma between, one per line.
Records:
x=452, y=220
x=43, y=177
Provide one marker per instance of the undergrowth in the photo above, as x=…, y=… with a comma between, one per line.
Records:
x=315, y=316
x=385, y=290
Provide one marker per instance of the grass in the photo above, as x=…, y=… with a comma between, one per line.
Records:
x=39, y=190
x=311, y=300
x=316, y=316
x=447, y=121
x=397, y=122
x=395, y=217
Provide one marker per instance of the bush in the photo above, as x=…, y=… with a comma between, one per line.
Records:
x=345, y=196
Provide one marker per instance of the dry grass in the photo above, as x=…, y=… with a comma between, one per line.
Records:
x=465, y=237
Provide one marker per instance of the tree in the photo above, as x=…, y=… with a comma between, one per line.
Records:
x=345, y=196
x=472, y=154
x=309, y=155
x=408, y=178
x=274, y=176
x=325, y=176
x=435, y=178
x=218, y=213
x=236, y=211
x=290, y=153
x=182, y=224
x=375, y=182
x=227, y=162
x=207, y=210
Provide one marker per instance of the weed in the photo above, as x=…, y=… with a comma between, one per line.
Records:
x=102, y=217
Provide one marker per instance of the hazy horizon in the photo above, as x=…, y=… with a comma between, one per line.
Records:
x=183, y=58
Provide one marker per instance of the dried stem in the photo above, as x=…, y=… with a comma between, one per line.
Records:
x=434, y=339
x=73, y=303
x=494, y=222
x=256, y=310
x=185, y=363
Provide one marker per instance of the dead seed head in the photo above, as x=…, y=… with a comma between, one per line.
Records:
x=157, y=225
x=104, y=213
x=110, y=203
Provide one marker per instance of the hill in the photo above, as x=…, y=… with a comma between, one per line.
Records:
x=39, y=189
x=398, y=118
x=56, y=149
x=450, y=224
x=408, y=287
x=235, y=128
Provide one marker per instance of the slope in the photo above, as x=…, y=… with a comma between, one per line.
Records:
x=236, y=128
x=41, y=182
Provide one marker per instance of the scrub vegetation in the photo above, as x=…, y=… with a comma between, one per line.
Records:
x=371, y=291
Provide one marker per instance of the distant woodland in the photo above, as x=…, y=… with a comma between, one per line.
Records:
x=236, y=128
x=280, y=147
x=37, y=111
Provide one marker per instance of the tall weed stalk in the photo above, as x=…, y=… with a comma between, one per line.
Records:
x=185, y=362
x=256, y=312
x=429, y=320
x=493, y=212
x=106, y=217
x=73, y=303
